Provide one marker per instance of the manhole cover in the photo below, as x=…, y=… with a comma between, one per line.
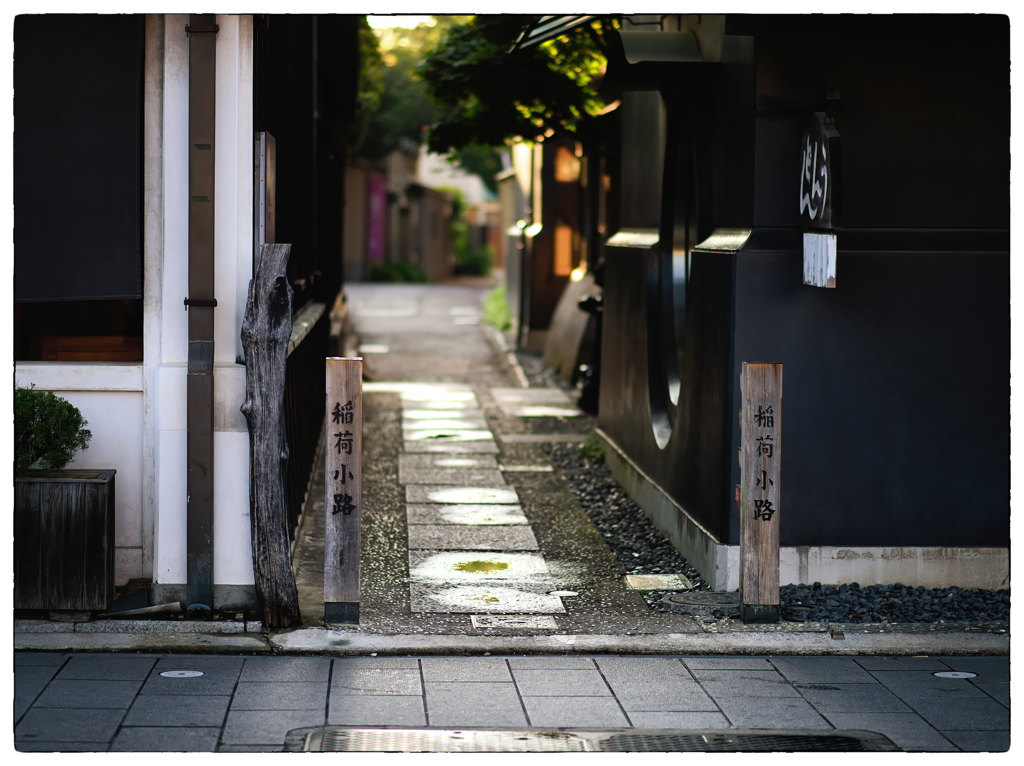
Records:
x=182, y=673
x=701, y=602
x=343, y=739
x=955, y=674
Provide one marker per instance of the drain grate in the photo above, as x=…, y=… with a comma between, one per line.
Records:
x=345, y=739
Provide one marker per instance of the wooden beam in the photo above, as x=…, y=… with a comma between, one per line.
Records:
x=342, y=502
x=760, y=474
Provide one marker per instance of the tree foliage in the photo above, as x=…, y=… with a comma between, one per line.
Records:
x=488, y=96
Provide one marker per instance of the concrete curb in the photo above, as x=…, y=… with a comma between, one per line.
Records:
x=342, y=642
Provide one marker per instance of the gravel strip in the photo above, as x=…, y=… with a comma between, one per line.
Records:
x=642, y=549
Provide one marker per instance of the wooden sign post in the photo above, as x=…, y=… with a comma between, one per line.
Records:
x=342, y=502
x=760, y=471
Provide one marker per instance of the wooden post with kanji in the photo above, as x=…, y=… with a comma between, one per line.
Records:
x=343, y=503
x=760, y=472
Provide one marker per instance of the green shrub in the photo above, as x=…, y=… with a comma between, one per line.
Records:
x=47, y=429
x=397, y=272
x=496, y=310
x=476, y=262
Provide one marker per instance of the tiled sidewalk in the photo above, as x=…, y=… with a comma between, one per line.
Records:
x=118, y=702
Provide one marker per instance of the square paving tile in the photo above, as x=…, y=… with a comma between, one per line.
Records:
x=471, y=538
x=107, y=667
x=267, y=727
x=985, y=668
x=465, y=495
x=843, y=670
x=471, y=515
x=852, y=698
x=902, y=663
x=365, y=710
x=469, y=669
x=771, y=713
x=444, y=422
x=40, y=658
x=428, y=460
x=651, y=669
x=141, y=739
x=485, y=598
x=89, y=694
x=63, y=725
x=727, y=663
x=29, y=681
x=551, y=662
x=561, y=683
x=444, y=435
x=535, y=402
x=286, y=669
x=964, y=714
x=908, y=731
x=450, y=446
x=375, y=681
x=458, y=476
x=998, y=691
x=980, y=741
x=216, y=680
x=474, y=704
x=669, y=695
x=178, y=710
x=410, y=412
x=678, y=720
x=595, y=712
x=60, y=747
x=277, y=695
x=348, y=664
x=747, y=683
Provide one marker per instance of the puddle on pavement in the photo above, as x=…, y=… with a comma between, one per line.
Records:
x=481, y=566
x=476, y=565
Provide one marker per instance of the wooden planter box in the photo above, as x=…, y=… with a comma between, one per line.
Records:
x=64, y=541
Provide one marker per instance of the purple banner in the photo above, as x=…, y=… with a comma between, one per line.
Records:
x=378, y=207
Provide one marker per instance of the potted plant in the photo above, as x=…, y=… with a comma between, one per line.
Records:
x=63, y=519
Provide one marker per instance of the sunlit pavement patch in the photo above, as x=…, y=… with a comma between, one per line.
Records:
x=450, y=446
x=468, y=599
x=658, y=582
x=471, y=515
x=463, y=311
x=460, y=476
x=478, y=566
x=373, y=348
x=484, y=621
x=419, y=405
x=439, y=424
x=466, y=320
x=471, y=538
x=431, y=395
x=425, y=493
x=451, y=434
x=432, y=413
x=541, y=411
x=422, y=390
x=485, y=462
x=534, y=402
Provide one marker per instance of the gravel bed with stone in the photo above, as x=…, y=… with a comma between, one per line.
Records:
x=642, y=549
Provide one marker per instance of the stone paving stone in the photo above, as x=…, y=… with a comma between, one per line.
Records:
x=277, y=695
x=727, y=663
x=206, y=663
x=561, y=683
x=472, y=515
x=178, y=710
x=466, y=567
x=852, y=698
x=472, y=538
x=474, y=704
x=250, y=748
x=551, y=663
x=911, y=684
x=345, y=664
x=61, y=747
x=29, y=681
x=595, y=712
x=267, y=727
x=901, y=663
x=678, y=720
x=365, y=710
x=375, y=681
x=485, y=598
x=450, y=446
x=771, y=713
x=89, y=694
x=286, y=669
x=444, y=435
x=427, y=493
x=433, y=413
x=465, y=669
x=843, y=670
x=459, y=476
x=1000, y=692
x=747, y=683
x=980, y=741
x=908, y=731
x=217, y=680
x=107, y=667
x=38, y=658
x=62, y=725
x=669, y=695
x=166, y=740
x=427, y=460
x=986, y=668
x=445, y=423
x=650, y=669
x=963, y=714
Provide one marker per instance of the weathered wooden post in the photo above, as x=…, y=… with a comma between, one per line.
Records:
x=342, y=502
x=761, y=387
x=266, y=329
